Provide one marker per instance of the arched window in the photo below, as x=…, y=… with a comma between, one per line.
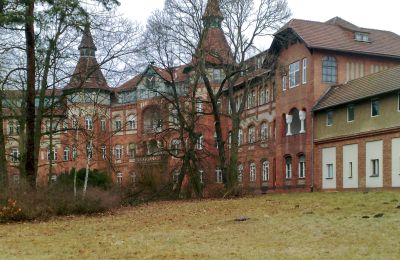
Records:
x=329, y=70
x=74, y=121
x=264, y=131
x=302, y=167
x=252, y=172
x=296, y=123
x=74, y=152
x=199, y=105
x=265, y=170
x=131, y=122
x=251, y=134
x=240, y=173
x=288, y=167
x=118, y=152
x=103, y=151
x=103, y=124
x=11, y=127
x=240, y=137
x=132, y=150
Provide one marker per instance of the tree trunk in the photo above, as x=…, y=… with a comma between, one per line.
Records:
x=30, y=95
x=3, y=161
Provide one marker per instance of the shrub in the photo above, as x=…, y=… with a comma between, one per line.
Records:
x=96, y=179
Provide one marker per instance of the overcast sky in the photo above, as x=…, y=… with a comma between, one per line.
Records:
x=381, y=14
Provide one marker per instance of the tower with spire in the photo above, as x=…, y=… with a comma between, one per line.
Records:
x=213, y=44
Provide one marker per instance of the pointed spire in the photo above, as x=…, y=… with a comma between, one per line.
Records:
x=213, y=10
x=87, y=47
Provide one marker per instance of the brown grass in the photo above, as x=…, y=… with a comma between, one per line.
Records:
x=285, y=226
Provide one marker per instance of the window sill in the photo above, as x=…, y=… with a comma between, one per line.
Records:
x=331, y=178
x=374, y=176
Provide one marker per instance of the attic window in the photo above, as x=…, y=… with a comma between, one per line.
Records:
x=361, y=37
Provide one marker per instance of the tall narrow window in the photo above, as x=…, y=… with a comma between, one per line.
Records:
x=329, y=118
x=263, y=96
x=350, y=113
x=132, y=150
x=329, y=70
x=329, y=171
x=240, y=173
x=131, y=122
x=288, y=168
x=118, y=152
x=74, y=152
x=200, y=143
x=374, y=168
x=74, y=122
x=264, y=131
x=103, y=151
x=350, y=170
x=119, y=178
x=14, y=155
x=240, y=136
x=199, y=105
x=175, y=146
x=304, y=74
x=103, y=124
x=265, y=171
x=89, y=123
x=51, y=154
x=66, y=153
x=201, y=176
x=251, y=134
x=294, y=74
x=375, y=108
x=302, y=167
x=284, y=83
x=218, y=173
x=10, y=127
x=252, y=172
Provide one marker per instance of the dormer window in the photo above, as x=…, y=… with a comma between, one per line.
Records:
x=361, y=37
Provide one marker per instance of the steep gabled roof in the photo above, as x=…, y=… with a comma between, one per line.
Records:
x=373, y=85
x=213, y=9
x=338, y=34
x=87, y=39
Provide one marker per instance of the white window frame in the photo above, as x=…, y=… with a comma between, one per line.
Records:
x=265, y=171
x=240, y=136
x=294, y=70
x=251, y=134
x=304, y=72
x=89, y=123
x=66, y=153
x=253, y=172
x=288, y=168
x=103, y=124
x=74, y=121
x=264, y=131
x=348, y=113
x=200, y=143
x=14, y=154
x=218, y=173
x=240, y=173
x=54, y=151
x=117, y=124
x=119, y=178
x=199, y=105
x=284, y=83
x=118, y=152
x=201, y=176
x=302, y=167
x=103, y=151
x=132, y=122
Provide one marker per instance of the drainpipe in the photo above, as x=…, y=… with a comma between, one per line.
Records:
x=312, y=151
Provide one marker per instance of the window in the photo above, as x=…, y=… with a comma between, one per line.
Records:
x=350, y=113
x=74, y=122
x=117, y=124
x=398, y=102
x=201, y=176
x=240, y=136
x=288, y=168
x=89, y=151
x=265, y=171
x=304, y=74
x=264, y=131
x=251, y=134
x=263, y=96
x=103, y=124
x=10, y=127
x=14, y=155
x=74, y=152
x=119, y=178
x=329, y=118
x=361, y=37
x=217, y=75
x=131, y=150
x=218, y=173
x=17, y=127
x=251, y=99
x=66, y=153
x=89, y=123
x=240, y=173
x=329, y=170
x=65, y=125
x=103, y=151
x=284, y=83
x=118, y=152
x=53, y=178
x=374, y=168
x=375, y=111
x=252, y=172
x=51, y=154
x=294, y=74
x=329, y=70
x=200, y=142
x=131, y=122
x=133, y=178
x=350, y=170
x=302, y=167
x=175, y=146
x=199, y=105
x=175, y=176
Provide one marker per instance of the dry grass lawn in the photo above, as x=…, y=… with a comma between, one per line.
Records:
x=285, y=226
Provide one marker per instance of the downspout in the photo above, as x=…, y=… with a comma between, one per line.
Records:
x=312, y=152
